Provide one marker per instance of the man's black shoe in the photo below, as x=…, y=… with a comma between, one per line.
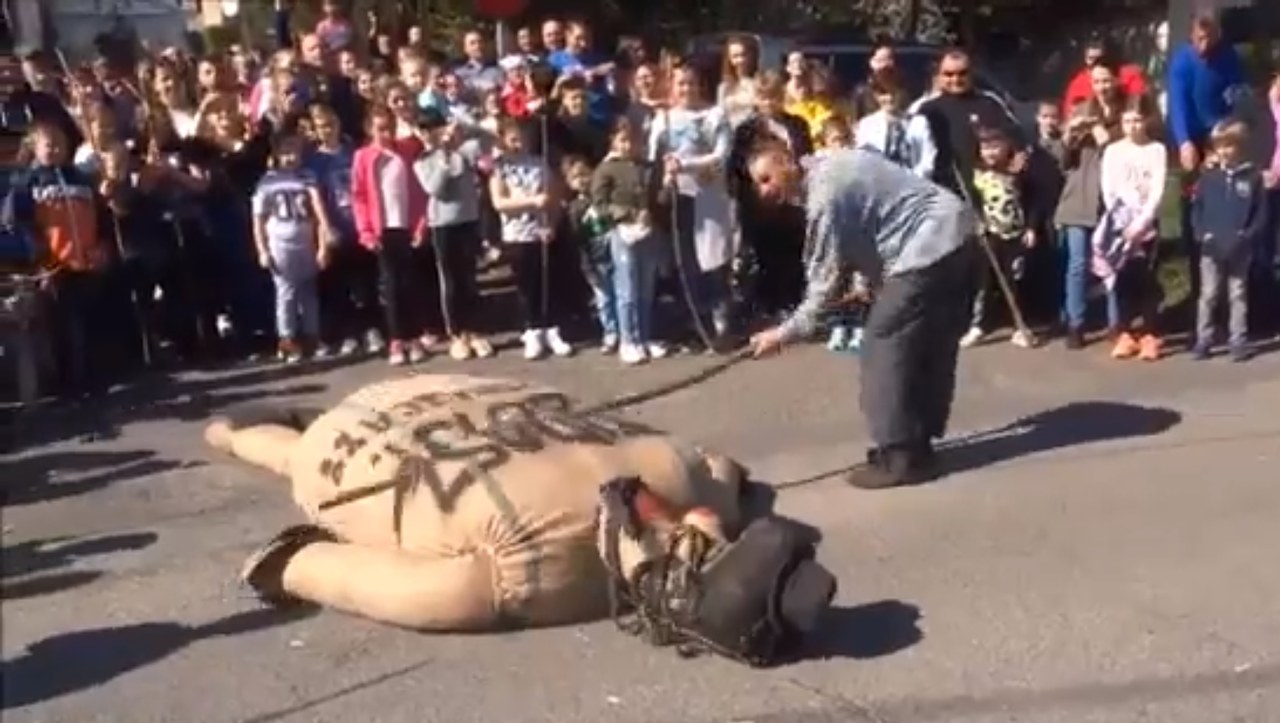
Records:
x=895, y=467
x=871, y=477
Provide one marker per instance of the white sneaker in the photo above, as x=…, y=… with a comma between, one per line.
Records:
x=416, y=353
x=224, y=326
x=373, y=342
x=839, y=338
x=609, y=344
x=972, y=337
x=349, y=347
x=632, y=354
x=324, y=351
x=559, y=346
x=657, y=350
x=397, y=357
x=533, y=348
x=1023, y=339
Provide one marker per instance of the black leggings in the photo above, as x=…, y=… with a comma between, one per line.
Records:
x=398, y=272
x=349, y=293
x=1138, y=293
x=456, y=249
x=75, y=302
x=527, y=264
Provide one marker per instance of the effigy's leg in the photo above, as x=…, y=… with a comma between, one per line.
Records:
x=414, y=591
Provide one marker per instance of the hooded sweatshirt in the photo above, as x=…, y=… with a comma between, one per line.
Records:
x=58, y=204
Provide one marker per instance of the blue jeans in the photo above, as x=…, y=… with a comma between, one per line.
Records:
x=623, y=288
x=1075, y=245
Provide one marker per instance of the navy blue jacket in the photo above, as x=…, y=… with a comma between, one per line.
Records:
x=1230, y=210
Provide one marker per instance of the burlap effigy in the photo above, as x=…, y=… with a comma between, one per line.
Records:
x=474, y=499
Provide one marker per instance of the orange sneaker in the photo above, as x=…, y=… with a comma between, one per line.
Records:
x=1149, y=348
x=1126, y=347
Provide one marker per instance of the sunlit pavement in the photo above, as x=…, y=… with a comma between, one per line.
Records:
x=1107, y=553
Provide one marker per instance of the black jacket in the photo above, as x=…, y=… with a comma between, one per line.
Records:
x=954, y=121
x=745, y=136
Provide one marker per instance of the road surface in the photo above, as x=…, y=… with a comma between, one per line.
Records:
x=1106, y=553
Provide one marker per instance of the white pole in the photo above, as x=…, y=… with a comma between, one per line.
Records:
x=500, y=39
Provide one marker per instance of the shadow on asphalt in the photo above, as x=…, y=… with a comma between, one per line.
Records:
x=11, y=590
x=70, y=662
x=35, y=556
x=154, y=396
x=1070, y=425
x=31, y=479
x=867, y=631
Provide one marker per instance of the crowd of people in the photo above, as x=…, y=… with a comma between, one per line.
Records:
x=341, y=195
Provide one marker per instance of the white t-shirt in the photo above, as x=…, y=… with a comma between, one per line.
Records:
x=1134, y=175
x=392, y=175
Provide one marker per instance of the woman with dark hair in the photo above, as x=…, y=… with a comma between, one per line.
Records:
x=882, y=70
x=1129, y=77
x=1091, y=127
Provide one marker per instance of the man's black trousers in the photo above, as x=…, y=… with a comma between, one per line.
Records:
x=911, y=346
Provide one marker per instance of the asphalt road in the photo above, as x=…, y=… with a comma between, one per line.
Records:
x=1107, y=553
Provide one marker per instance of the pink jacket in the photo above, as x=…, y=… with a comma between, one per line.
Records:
x=364, y=192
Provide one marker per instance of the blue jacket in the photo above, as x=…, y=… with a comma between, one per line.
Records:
x=600, y=101
x=1198, y=90
x=333, y=171
x=1230, y=210
x=17, y=248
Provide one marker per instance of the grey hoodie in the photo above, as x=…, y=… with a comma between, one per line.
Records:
x=452, y=185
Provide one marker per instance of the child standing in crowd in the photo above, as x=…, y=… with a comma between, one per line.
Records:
x=692, y=140
x=348, y=285
x=587, y=228
x=448, y=173
x=846, y=318
x=1049, y=130
x=388, y=205
x=622, y=189
x=1228, y=216
x=289, y=217
x=56, y=201
x=837, y=135
x=1044, y=174
x=400, y=102
x=1133, y=183
x=1007, y=229
x=99, y=133
x=903, y=138
x=523, y=195
x=515, y=91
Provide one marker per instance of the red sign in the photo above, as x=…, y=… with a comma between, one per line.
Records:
x=501, y=9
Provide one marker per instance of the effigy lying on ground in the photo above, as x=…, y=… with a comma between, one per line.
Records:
x=459, y=503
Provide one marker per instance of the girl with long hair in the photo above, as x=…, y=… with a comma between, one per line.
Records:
x=737, y=91
x=690, y=141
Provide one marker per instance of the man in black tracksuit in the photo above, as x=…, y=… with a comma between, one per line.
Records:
x=955, y=115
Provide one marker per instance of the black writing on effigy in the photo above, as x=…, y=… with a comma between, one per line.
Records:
x=416, y=437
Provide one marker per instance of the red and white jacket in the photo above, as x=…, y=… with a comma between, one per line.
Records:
x=366, y=204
